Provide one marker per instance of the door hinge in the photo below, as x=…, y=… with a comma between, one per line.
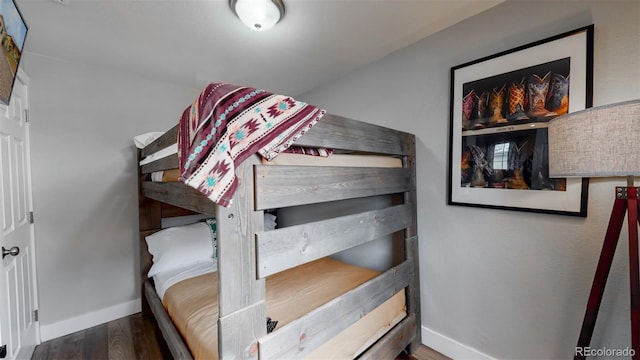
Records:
x=35, y=315
x=30, y=217
x=3, y=351
x=26, y=115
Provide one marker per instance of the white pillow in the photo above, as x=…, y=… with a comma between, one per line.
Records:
x=145, y=139
x=269, y=221
x=180, y=246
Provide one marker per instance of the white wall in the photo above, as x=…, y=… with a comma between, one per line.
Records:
x=83, y=120
x=495, y=283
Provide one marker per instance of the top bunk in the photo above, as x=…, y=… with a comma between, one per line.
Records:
x=361, y=150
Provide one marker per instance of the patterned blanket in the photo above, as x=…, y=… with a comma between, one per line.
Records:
x=226, y=124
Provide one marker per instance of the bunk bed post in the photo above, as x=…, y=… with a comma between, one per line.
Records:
x=149, y=221
x=411, y=248
x=242, y=311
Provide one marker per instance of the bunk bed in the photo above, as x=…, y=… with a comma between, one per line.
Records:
x=254, y=265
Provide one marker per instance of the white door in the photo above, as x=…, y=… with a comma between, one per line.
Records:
x=19, y=333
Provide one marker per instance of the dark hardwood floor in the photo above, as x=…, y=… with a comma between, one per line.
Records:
x=134, y=338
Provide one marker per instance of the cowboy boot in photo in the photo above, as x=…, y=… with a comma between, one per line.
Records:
x=497, y=181
x=480, y=167
x=558, y=97
x=465, y=168
x=515, y=102
x=468, y=105
x=538, y=163
x=496, y=100
x=538, y=89
x=477, y=179
x=483, y=104
x=516, y=181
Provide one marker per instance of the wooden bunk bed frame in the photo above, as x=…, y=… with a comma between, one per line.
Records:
x=247, y=254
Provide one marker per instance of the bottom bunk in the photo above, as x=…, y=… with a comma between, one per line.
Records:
x=192, y=306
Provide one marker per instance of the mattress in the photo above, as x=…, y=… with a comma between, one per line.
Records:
x=193, y=306
x=165, y=175
x=350, y=160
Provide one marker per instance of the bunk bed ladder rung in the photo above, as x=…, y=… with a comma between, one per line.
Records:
x=337, y=132
x=178, y=194
x=283, y=186
x=285, y=248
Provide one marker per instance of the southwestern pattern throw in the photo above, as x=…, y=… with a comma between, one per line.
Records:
x=226, y=124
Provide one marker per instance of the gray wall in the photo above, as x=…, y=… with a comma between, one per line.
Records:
x=498, y=283
x=83, y=120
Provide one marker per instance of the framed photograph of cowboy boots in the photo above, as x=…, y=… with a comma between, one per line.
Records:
x=500, y=106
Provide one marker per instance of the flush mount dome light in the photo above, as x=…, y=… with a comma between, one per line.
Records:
x=259, y=15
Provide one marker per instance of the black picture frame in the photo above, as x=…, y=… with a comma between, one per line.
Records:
x=500, y=106
x=13, y=33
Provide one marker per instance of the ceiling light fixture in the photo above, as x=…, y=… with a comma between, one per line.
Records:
x=259, y=15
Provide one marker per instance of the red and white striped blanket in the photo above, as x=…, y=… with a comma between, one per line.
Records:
x=228, y=123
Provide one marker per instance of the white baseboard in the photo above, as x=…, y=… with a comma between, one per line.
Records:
x=85, y=321
x=449, y=347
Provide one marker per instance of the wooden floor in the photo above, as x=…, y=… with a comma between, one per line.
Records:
x=425, y=353
x=133, y=337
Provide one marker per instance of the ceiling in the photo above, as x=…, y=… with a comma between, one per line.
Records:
x=194, y=42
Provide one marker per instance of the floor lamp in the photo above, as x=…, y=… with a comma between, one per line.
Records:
x=604, y=142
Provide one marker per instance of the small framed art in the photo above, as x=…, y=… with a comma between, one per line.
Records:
x=13, y=32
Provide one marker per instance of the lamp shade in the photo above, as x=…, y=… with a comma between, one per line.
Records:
x=597, y=142
x=259, y=15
